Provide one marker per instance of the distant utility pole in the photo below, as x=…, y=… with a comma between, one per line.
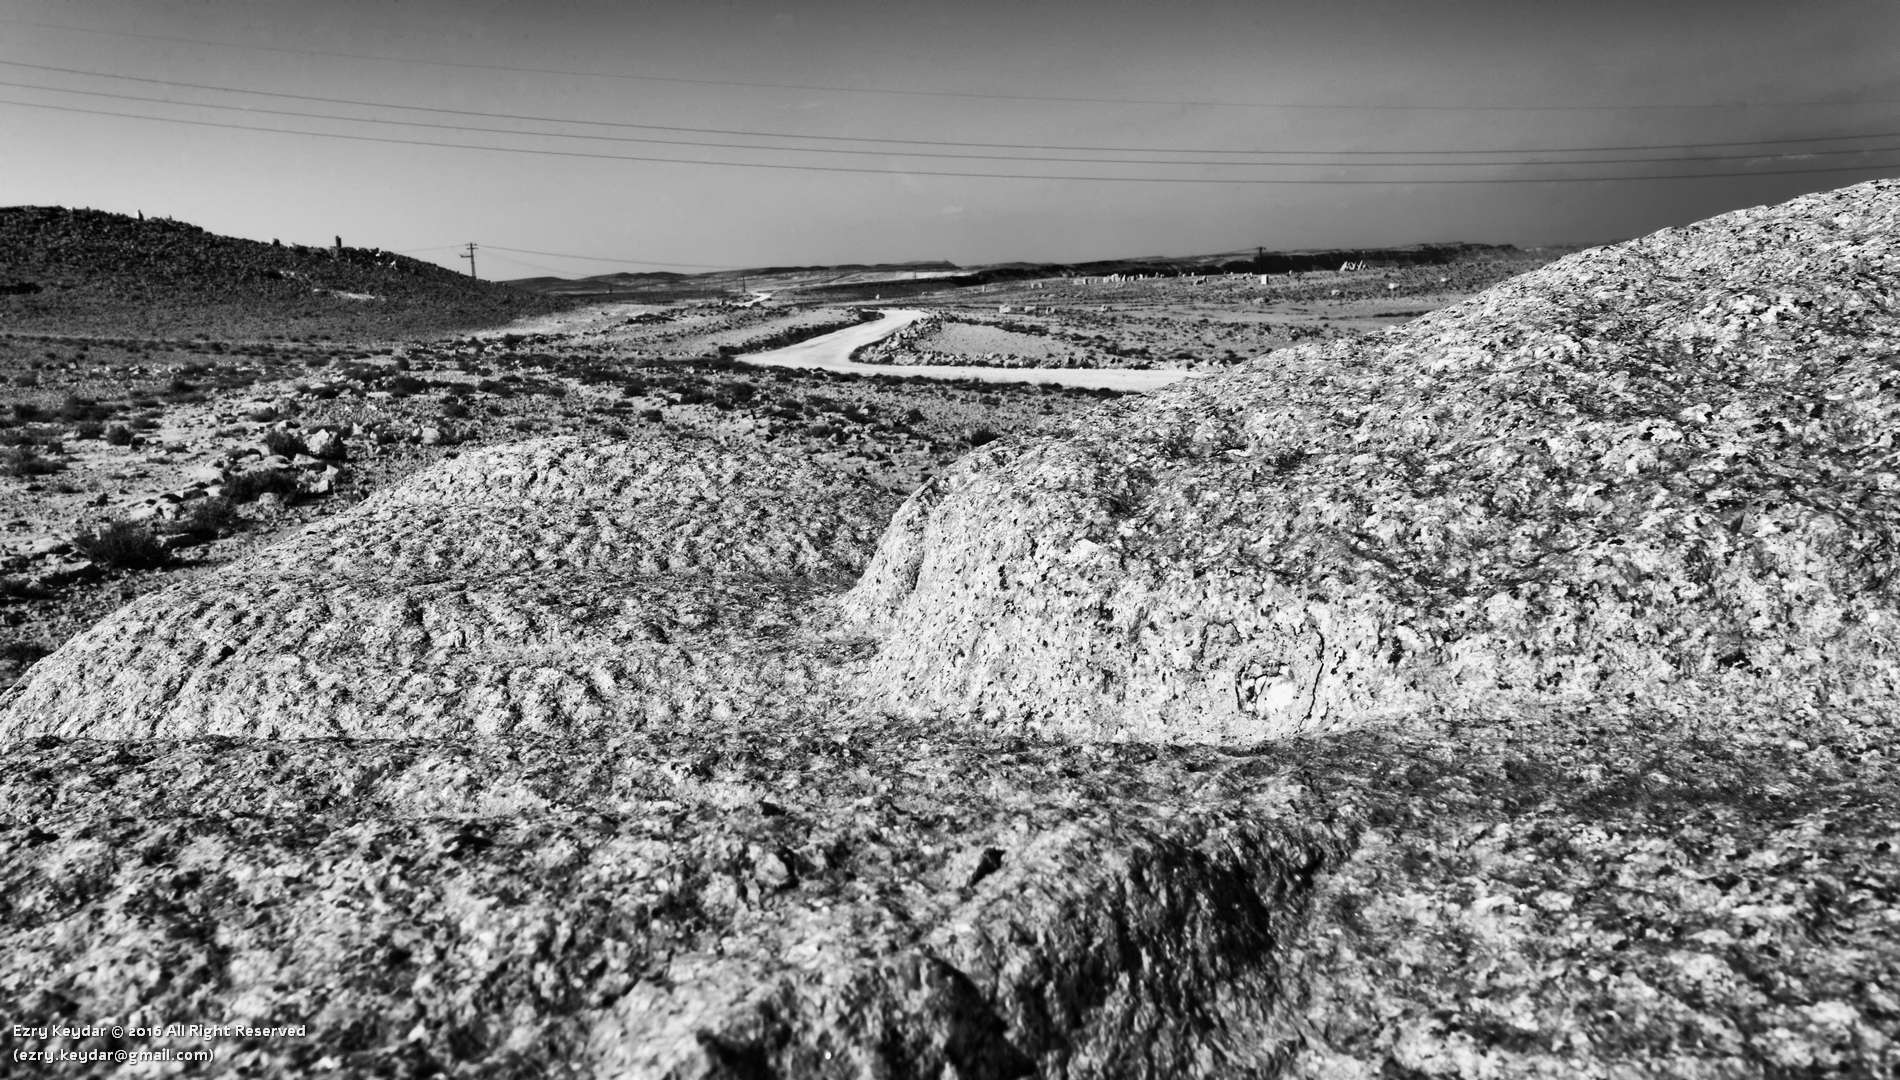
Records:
x=470, y=256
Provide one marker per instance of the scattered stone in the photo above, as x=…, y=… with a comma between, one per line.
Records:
x=325, y=443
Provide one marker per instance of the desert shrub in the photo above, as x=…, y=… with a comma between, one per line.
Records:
x=126, y=545
x=454, y=409
x=21, y=588
x=74, y=407
x=18, y=655
x=283, y=443
x=651, y=416
x=405, y=386
x=32, y=435
x=27, y=461
x=248, y=486
x=25, y=412
x=981, y=436
x=213, y=516
x=88, y=429
x=118, y=435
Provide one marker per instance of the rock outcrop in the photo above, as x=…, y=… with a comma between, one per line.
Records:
x=1664, y=468
x=688, y=904
x=567, y=760
x=549, y=587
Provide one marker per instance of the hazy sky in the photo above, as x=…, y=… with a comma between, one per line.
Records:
x=1383, y=90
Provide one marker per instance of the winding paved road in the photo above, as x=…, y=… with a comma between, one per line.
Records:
x=832, y=352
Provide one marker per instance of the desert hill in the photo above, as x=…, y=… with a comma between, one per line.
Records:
x=890, y=281
x=1507, y=694
x=65, y=271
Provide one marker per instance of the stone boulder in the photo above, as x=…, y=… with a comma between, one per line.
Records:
x=1663, y=468
x=546, y=587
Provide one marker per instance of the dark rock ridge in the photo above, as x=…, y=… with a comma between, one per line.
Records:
x=1664, y=468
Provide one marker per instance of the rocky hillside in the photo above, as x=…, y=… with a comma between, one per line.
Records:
x=87, y=271
x=1663, y=469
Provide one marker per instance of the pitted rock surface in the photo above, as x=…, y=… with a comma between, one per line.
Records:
x=699, y=903
x=1663, y=468
x=549, y=586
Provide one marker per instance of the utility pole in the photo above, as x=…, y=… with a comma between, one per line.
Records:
x=470, y=256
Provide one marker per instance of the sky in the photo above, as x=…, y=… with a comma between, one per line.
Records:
x=1187, y=127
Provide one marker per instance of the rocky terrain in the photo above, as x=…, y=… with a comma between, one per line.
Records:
x=183, y=455
x=1504, y=694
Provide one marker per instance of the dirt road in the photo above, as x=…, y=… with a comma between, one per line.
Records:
x=832, y=352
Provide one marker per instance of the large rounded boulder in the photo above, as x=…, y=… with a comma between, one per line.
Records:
x=1661, y=469
x=550, y=587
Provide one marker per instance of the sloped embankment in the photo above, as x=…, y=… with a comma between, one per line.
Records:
x=1664, y=468
x=549, y=587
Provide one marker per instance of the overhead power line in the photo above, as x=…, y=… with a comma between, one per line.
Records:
x=518, y=261
x=610, y=259
x=1757, y=154
x=968, y=94
x=743, y=133
x=783, y=166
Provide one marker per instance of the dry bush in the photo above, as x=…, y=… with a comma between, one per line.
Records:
x=208, y=517
x=26, y=461
x=123, y=544
x=247, y=486
x=283, y=443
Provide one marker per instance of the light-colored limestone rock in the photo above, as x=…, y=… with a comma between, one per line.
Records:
x=1660, y=468
x=549, y=587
